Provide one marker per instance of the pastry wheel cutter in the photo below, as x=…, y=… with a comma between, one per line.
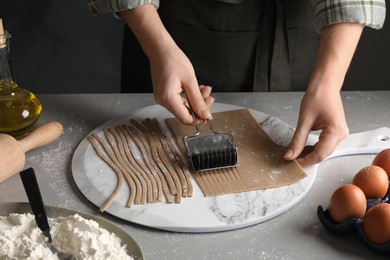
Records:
x=212, y=151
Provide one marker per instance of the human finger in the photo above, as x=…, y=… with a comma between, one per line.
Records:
x=205, y=91
x=209, y=102
x=196, y=100
x=178, y=106
x=323, y=148
x=298, y=141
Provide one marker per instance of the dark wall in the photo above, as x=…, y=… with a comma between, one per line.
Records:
x=59, y=47
x=370, y=68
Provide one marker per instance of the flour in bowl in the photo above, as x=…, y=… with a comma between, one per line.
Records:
x=20, y=238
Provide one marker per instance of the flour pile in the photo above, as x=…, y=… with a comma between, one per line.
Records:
x=20, y=238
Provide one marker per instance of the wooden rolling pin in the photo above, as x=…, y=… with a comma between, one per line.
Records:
x=13, y=152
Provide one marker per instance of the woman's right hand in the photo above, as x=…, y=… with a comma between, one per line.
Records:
x=172, y=72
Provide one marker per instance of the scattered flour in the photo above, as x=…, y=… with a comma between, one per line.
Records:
x=20, y=238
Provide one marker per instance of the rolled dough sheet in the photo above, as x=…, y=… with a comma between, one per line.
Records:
x=260, y=160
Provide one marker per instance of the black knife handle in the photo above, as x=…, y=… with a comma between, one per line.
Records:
x=34, y=196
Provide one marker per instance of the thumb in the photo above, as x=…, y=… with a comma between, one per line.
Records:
x=297, y=143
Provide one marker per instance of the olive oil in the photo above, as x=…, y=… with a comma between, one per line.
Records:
x=19, y=108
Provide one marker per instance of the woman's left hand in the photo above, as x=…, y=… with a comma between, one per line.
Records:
x=319, y=111
x=321, y=106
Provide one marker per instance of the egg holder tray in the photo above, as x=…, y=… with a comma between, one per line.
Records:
x=352, y=225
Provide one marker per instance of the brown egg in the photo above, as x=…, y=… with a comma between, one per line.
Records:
x=382, y=160
x=376, y=224
x=346, y=202
x=373, y=181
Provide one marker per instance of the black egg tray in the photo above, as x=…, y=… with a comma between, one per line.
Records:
x=353, y=225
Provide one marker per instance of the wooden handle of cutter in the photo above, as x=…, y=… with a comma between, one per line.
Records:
x=41, y=136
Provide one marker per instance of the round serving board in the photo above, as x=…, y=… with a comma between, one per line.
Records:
x=96, y=180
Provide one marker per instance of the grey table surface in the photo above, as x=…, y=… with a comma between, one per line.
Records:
x=296, y=234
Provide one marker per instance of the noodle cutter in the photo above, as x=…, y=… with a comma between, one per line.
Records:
x=211, y=151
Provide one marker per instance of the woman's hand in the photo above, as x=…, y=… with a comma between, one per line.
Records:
x=172, y=72
x=319, y=111
x=321, y=106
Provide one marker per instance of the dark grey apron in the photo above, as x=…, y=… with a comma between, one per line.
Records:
x=234, y=45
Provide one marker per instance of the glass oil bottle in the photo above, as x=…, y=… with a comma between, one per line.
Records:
x=19, y=108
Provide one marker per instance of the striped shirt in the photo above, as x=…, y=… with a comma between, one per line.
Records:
x=370, y=13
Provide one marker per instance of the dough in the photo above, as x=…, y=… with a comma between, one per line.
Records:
x=260, y=160
x=143, y=155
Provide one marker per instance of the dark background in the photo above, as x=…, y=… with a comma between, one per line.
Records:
x=59, y=47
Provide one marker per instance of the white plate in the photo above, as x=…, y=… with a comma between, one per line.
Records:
x=52, y=212
x=96, y=180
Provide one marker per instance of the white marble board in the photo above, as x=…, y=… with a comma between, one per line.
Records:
x=96, y=180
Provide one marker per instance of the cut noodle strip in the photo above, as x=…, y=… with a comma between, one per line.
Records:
x=175, y=157
x=146, y=185
x=148, y=162
x=153, y=188
x=93, y=138
x=131, y=179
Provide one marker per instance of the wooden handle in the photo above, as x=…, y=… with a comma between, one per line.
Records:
x=12, y=158
x=41, y=136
